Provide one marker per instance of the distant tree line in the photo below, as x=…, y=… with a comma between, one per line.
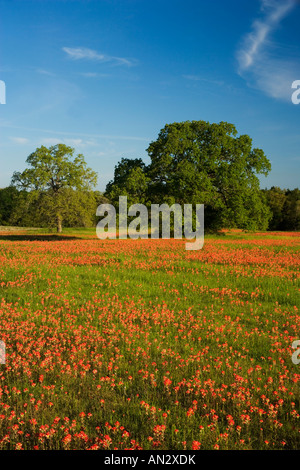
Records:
x=25, y=209
x=192, y=162
x=284, y=205
x=17, y=208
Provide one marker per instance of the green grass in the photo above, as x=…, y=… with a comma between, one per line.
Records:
x=107, y=323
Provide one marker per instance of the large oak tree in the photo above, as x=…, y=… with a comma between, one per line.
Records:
x=199, y=162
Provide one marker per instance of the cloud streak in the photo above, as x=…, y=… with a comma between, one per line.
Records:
x=76, y=134
x=83, y=53
x=197, y=78
x=19, y=140
x=257, y=61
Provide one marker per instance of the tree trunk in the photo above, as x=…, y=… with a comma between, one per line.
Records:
x=59, y=225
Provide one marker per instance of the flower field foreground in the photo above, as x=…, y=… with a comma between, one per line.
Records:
x=140, y=344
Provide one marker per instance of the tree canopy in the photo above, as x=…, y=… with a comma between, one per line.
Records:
x=53, y=179
x=285, y=208
x=130, y=179
x=195, y=162
x=199, y=162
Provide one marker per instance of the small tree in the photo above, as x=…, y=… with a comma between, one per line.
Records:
x=54, y=172
x=276, y=199
x=8, y=201
x=291, y=210
x=130, y=179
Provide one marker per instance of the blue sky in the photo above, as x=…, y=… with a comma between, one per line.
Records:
x=104, y=76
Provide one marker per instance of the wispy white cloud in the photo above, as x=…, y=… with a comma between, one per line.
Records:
x=67, y=141
x=76, y=135
x=198, y=78
x=48, y=141
x=260, y=61
x=81, y=53
x=45, y=72
x=19, y=140
x=94, y=75
x=89, y=74
x=211, y=85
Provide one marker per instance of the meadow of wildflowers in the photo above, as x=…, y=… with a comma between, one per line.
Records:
x=140, y=344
